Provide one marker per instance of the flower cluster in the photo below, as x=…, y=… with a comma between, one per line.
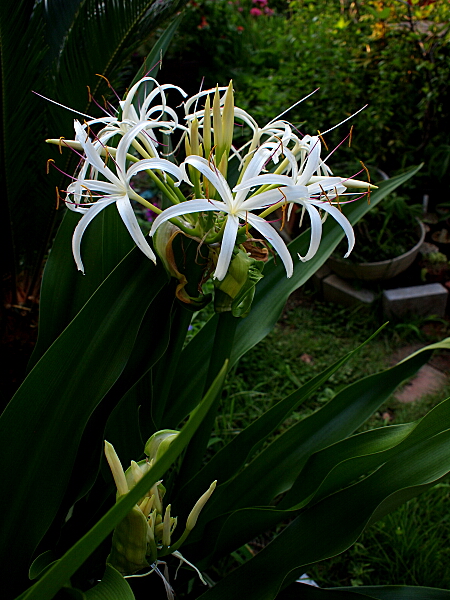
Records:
x=220, y=195
x=261, y=8
x=145, y=535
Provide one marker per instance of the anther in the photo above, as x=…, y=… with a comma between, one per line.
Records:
x=325, y=194
x=322, y=140
x=48, y=164
x=350, y=136
x=337, y=199
x=368, y=178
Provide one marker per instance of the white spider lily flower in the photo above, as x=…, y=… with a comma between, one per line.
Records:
x=116, y=189
x=152, y=116
x=299, y=189
x=236, y=207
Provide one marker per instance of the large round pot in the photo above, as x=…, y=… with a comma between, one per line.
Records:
x=384, y=269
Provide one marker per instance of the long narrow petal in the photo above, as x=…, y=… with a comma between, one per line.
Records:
x=328, y=184
x=316, y=232
x=93, y=156
x=81, y=186
x=184, y=208
x=265, y=199
x=265, y=179
x=213, y=176
x=341, y=219
x=312, y=162
x=81, y=228
x=226, y=247
x=129, y=218
x=156, y=163
x=275, y=239
x=124, y=146
x=259, y=159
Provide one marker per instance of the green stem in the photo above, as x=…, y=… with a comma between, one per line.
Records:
x=222, y=347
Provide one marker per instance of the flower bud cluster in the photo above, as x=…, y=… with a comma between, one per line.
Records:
x=146, y=533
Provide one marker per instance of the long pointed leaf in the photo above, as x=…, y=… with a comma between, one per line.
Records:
x=56, y=399
x=333, y=524
x=61, y=571
x=271, y=294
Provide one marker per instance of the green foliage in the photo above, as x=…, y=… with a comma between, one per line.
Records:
x=55, y=49
x=390, y=55
x=409, y=546
x=121, y=345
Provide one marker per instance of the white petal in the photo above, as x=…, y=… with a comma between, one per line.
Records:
x=213, y=175
x=192, y=99
x=92, y=155
x=81, y=228
x=124, y=146
x=127, y=104
x=328, y=184
x=254, y=167
x=226, y=247
x=275, y=239
x=129, y=218
x=184, y=208
x=265, y=179
x=342, y=220
x=155, y=163
x=95, y=185
x=312, y=162
x=316, y=232
x=265, y=199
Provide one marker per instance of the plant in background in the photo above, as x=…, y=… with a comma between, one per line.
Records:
x=393, y=55
x=112, y=363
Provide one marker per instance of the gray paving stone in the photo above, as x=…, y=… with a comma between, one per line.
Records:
x=319, y=276
x=337, y=290
x=421, y=300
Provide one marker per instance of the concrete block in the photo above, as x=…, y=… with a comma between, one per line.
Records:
x=319, y=276
x=337, y=290
x=421, y=300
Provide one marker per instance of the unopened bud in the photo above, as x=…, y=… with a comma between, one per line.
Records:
x=116, y=468
x=159, y=442
x=193, y=515
x=166, y=527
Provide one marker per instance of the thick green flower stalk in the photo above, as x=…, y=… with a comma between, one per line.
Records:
x=146, y=534
x=219, y=195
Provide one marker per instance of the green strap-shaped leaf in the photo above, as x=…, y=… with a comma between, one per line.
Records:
x=59, y=574
x=334, y=524
x=340, y=464
x=337, y=467
x=298, y=591
x=113, y=586
x=271, y=294
x=41, y=427
x=64, y=290
x=275, y=469
x=227, y=462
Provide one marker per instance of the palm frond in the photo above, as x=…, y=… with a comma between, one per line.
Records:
x=56, y=49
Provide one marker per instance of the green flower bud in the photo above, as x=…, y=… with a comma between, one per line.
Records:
x=236, y=291
x=159, y=442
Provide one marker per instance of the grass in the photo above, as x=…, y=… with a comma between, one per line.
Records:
x=410, y=546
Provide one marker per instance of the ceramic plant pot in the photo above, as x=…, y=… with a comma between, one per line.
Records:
x=384, y=269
